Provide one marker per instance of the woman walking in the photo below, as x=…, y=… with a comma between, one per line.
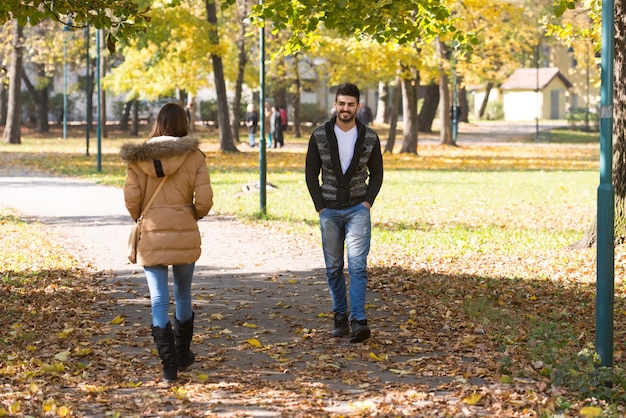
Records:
x=170, y=170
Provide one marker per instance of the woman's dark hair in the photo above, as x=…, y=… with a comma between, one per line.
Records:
x=171, y=121
x=348, y=89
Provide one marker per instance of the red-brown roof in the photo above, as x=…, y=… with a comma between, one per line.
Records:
x=533, y=78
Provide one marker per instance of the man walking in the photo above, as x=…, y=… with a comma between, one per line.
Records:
x=347, y=153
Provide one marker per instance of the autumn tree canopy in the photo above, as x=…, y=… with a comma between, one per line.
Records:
x=120, y=18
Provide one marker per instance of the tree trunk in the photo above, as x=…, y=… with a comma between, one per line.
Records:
x=134, y=127
x=191, y=110
x=445, y=133
x=483, y=105
x=464, y=105
x=393, y=116
x=226, y=139
x=429, y=108
x=409, y=113
x=103, y=100
x=40, y=98
x=296, y=98
x=12, y=130
x=242, y=60
x=382, y=110
x=4, y=103
x=619, y=124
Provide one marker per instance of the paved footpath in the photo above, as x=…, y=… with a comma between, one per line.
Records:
x=96, y=223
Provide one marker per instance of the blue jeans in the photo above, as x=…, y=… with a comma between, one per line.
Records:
x=251, y=139
x=353, y=227
x=159, y=292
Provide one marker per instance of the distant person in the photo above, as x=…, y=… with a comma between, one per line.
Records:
x=284, y=119
x=365, y=114
x=170, y=235
x=348, y=156
x=190, y=115
x=276, y=127
x=252, y=121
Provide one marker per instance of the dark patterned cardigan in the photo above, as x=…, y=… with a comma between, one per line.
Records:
x=360, y=183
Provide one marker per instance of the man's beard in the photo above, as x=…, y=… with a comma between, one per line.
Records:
x=346, y=116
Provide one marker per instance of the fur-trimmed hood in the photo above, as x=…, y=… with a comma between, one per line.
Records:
x=162, y=155
x=157, y=148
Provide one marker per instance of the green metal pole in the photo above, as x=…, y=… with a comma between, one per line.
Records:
x=64, y=83
x=262, y=156
x=99, y=104
x=606, y=198
x=66, y=34
x=87, y=91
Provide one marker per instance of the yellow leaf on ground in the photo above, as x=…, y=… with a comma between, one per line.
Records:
x=65, y=333
x=118, y=320
x=591, y=411
x=254, y=342
x=180, y=392
x=473, y=399
x=62, y=356
x=64, y=411
x=47, y=405
x=15, y=407
x=202, y=377
x=376, y=357
x=82, y=352
x=217, y=316
x=54, y=367
x=249, y=325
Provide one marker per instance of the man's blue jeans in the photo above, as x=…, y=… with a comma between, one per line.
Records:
x=350, y=226
x=159, y=292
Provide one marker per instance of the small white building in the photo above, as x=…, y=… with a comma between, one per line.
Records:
x=531, y=93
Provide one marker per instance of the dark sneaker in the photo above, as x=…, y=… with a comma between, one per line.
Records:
x=341, y=326
x=360, y=331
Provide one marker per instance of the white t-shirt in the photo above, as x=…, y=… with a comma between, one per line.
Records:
x=346, y=142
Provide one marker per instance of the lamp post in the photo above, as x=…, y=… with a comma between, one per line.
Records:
x=262, y=157
x=605, y=245
x=88, y=95
x=67, y=32
x=99, y=103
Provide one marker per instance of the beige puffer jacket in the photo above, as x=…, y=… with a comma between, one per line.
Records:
x=169, y=233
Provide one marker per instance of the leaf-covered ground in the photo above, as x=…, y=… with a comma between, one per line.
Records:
x=472, y=334
x=444, y=345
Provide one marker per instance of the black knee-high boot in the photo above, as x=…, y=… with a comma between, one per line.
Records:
x=164, y=340
x=183, y=333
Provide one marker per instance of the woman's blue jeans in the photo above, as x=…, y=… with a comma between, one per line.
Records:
x=350, y=226
x=159, y=292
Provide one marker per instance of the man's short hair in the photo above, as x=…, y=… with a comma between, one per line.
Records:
x=348, y=89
